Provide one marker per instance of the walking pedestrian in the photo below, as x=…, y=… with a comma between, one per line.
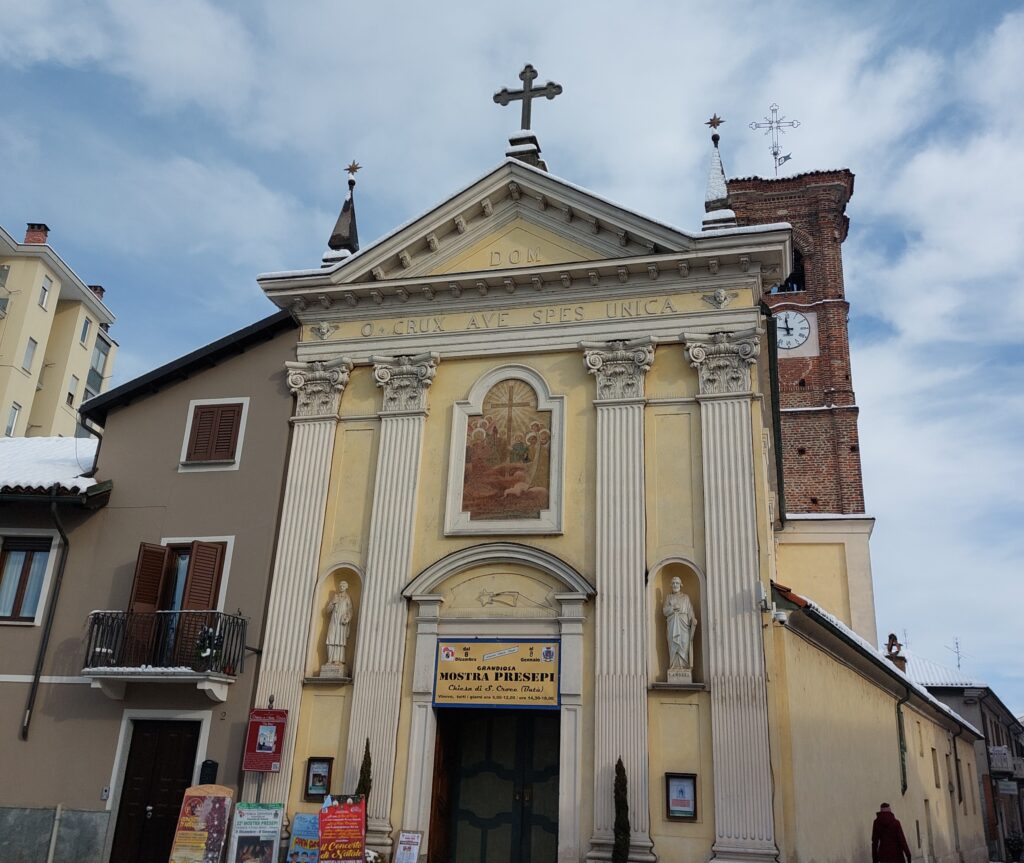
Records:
x=888, y=844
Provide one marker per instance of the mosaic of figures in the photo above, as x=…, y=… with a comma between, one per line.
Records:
x=508, y=455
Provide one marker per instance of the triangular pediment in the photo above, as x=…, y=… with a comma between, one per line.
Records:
x=515, y=216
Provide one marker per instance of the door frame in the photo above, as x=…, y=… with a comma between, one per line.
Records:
x=566, y=625
x=124, y=740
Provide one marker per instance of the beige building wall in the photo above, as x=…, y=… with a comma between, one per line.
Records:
x=837, y=752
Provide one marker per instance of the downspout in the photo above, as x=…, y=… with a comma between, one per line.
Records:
x=960, y=793
x=991, y=781
x=96, y=458
x=51, y=611
x=901, y=731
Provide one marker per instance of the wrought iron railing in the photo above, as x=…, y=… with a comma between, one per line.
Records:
x=1000, y=759
x=158, y=642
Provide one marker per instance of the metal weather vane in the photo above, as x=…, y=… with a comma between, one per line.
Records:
x=775, y=126
x=504, y=96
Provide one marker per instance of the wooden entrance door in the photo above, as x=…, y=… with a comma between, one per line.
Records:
x=161, y=761
x=502, y=787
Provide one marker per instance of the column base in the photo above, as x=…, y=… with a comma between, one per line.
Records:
x=641, y=849
x=378, y=838
x=724, y=852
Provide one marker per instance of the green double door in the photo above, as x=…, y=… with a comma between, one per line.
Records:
x=495, y=787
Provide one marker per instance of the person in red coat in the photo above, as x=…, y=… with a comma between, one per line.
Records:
x=888, y=844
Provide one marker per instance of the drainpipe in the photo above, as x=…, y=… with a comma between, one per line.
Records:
x=991, y=782
x=902, y=732
x=959, y=786
x=51, y=611
x=99, y=445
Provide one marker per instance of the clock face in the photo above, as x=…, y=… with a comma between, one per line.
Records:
x=793, y=329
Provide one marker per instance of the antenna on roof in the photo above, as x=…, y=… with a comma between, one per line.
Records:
x=956, y=649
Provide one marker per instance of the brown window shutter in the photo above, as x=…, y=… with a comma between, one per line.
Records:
x=225, y=437
x=200, y=441
x=150, y=568
x=203, y=578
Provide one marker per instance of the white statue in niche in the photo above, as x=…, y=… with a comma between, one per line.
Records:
x=680, y=625
x=340, y=609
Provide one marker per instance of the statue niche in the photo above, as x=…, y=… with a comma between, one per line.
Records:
x=508, y=455
x=680, y=632
x=339, y=625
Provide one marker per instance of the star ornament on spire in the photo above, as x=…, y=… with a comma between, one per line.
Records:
x=352, y=168
x=714, y=122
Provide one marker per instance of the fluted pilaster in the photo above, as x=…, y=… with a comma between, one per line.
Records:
x=620, y=696
x=318, y=388
x=379, y=655
x=744, y=820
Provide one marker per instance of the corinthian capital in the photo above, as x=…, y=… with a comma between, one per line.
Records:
x=723, y=360
x=317, y=386
x=404, y=381
x=619, y=367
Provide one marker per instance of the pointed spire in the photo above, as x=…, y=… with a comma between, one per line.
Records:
x=716, y=199
x=344, y=241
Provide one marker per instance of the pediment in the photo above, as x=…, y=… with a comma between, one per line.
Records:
x=515, y=216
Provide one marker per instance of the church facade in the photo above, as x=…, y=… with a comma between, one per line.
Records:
x=535, y=521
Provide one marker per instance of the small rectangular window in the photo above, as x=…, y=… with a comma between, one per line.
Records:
x=5, y=271
x=22, y=567
x=12, y=419
x=72, y=390
x=30, y=354
x=935, y=766
x=86, y=328
x=97, y=366
x=214, y=433
x=44, y=291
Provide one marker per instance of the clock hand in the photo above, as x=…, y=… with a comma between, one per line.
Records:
x=786, y=327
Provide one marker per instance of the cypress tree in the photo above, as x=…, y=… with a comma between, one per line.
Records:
x=365, y=775
x=620, y=845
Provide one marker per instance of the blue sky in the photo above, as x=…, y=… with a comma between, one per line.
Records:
x=177, y=149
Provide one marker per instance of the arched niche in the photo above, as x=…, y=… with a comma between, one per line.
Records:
x=321, y=616
x=659, y=586
x=505, y=471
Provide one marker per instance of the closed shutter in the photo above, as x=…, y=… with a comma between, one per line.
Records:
x=150, y=567
x=203, y=579
x=214, y=434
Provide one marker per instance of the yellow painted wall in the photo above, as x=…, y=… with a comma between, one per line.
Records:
x=829, y=715
x=25, y=319
x=818, y=571
x=518, y=244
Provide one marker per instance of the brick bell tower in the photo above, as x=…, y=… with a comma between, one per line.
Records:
x=821, y=451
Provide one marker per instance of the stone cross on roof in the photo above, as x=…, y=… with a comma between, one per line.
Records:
x=527, y=94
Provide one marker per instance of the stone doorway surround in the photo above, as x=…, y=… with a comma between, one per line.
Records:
x=566, y=626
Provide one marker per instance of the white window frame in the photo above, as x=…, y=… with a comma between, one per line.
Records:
x=225, y=567
x=44, y=591
x=44, y=292
x=13, y=415
x=199, y=467
x=31, y=346
x=83, y=336
x=72, y=391
x=457, y=522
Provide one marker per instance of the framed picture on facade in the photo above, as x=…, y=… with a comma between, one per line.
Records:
x=681, y=796
x=318, y=777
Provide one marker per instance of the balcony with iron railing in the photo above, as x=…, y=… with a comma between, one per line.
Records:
x=1000, y=759
x=202, y=647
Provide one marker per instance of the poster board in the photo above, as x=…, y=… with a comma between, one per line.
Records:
x=407, y=849
x=264, y=740
x=343, y=830
x=202, y=824
x=305, y=842
x=256, y=833
x=497, y=673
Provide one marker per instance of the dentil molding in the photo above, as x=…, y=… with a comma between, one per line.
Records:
x=619, y=367
x=723, y=360
x=318, y=385
x=405, y=380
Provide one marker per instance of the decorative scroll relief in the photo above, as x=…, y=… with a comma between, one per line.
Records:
x=723, y=360
x=619, y=367
x=505, y=469
x=317, y=386
x=405, y=381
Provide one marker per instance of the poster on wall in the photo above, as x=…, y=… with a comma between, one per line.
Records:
x=343, y=829
x=407, y=849
x=256, y=833
x=497, y=673
x=202, y=824
x=264, y=740
x=305, y=843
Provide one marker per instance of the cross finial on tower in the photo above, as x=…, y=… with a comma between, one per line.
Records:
x=504, y=96
x=775, y=126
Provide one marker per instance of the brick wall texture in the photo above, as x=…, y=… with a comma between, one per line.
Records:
x=820, y=448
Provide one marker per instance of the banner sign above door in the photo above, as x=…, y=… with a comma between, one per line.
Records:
x=497, y=673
